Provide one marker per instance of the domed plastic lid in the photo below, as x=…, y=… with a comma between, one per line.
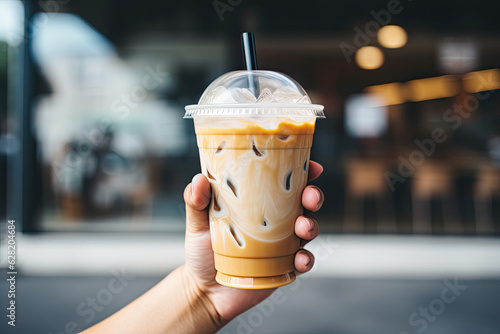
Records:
x=254, y=93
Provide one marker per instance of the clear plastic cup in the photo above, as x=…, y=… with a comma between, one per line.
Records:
x=254, y=132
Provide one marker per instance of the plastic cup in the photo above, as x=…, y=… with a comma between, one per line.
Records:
x=254, y=132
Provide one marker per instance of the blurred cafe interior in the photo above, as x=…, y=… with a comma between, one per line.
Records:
x=95, y=153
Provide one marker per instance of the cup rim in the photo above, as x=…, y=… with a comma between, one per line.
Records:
x=255, y=109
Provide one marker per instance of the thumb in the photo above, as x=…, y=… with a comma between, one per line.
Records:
x=197, y=197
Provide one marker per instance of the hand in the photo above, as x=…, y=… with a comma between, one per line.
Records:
x=230, y=302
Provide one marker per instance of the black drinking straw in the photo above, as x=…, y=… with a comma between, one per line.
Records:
x=250, y=59
x=248, y=45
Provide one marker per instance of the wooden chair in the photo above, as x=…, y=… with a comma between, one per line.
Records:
x=365, y=178
x=433, y=180
x=486, y=186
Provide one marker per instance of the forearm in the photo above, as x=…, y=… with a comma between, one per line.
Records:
x=175, y=305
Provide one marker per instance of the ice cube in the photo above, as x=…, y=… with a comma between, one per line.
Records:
x=266, y=97
x=243, y=95
x=221, y=147
x=240, y=241
x=288, y=180
x=232, y=187
x=218, y=96
x=286, y=97
x=304, y=99
x=265, y=225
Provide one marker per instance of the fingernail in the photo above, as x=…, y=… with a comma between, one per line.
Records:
x=311, y=225
x=308, y=259
x=318, y=195
x=193, y=182
x=196, y=177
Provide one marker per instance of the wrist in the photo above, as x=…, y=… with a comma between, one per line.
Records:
x=203, y=311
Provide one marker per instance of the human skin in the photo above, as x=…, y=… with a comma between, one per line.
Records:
x=189, y=300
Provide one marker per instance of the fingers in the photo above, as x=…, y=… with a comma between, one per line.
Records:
x=306, y=229
x=304, y=261
x=197, y=197
x=312, y=198
x=315, y=170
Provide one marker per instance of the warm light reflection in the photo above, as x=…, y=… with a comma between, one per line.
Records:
x=432, y=88
x=369, y=57
x=435, y=87
x=392, y=37
x=392, y=93
x=482, y=80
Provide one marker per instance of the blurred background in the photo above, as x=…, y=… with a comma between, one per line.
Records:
x=94, y=153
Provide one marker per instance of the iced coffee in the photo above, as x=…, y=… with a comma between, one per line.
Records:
x=254, y=150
